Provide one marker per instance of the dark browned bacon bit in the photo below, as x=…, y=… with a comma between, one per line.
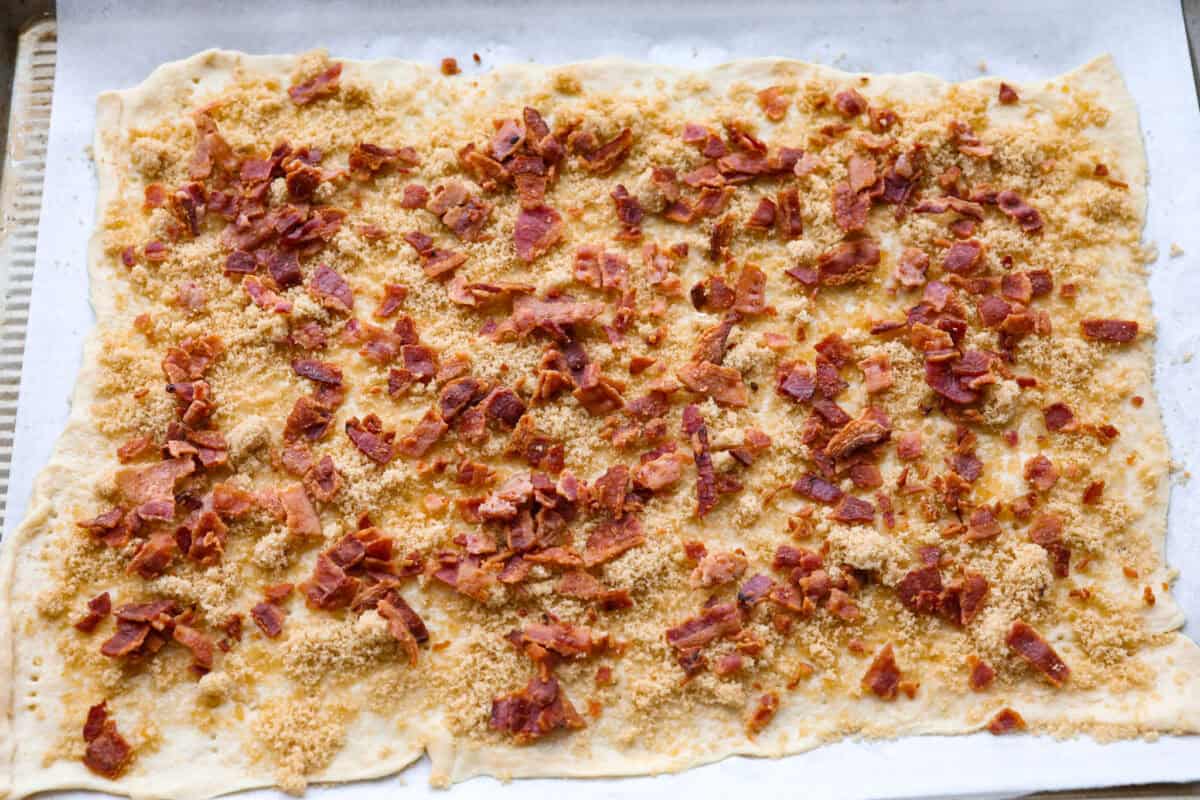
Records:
x=322, y=84
x=1029, y=645
x=1008, y=95
x=1115, y=331
x=774, y=102
x=629, y=214
x=539, y=709
x=718, y=621
x=981, y=674
x=107, y=753
x=435, y=262
x=883, y=676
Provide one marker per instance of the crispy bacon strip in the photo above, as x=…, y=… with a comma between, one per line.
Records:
x=715, y=622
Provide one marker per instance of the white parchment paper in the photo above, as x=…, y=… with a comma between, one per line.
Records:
x=105, y=45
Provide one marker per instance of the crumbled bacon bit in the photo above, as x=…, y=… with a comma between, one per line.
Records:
x=450, y=66
x=320, y=85
x=1006, y=721
x=536, y=711
x=850, y=262
x=370, y=438
x=849, y=103
x=1059, y=417
x=537, y=230
x=1008, y=95
x=98, y=608
x=715, y=622
x=1025, y=215
x=762, y=713
x=1109, y=330
x=981, y=675
x=107, y=753
x=883, y=676
x=1028, y=643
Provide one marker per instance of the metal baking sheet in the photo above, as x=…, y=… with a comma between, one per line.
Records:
x=1024, y=40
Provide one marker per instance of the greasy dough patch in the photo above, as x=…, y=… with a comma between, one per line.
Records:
x=793, y=405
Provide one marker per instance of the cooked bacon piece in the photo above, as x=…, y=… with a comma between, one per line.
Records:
x=611, y=154
x=367, y=159
x=941, y=378
x=611, y=538
x=842, y=606
x=415, y=196
x=322, y=480
x=722, y=384
x=371, y=440
x=910, y=446
x=795, y=381
x=754, y=591
x=269, y=618
x=1026, y=215
x=853, y=510
x=849, y=262
x=503, y=404
x=982, y=674
x=457, y=395
x=329, y=587
x=1058, y=417
x=718, y=568
x=1008, y=95
x=98, y=608
x=151, y=489
x=1109, y=330
x=1046, y=531
x=567, y=640
x=714, y=622
x=762, y=713
x=921, y=589
x=301, y=517
x=658, y=473
x=817, y=489
x=128, y=638
x=963, y=258
x=1006, y=721
x=877, y=372
x=331, y=290
x=706, y=482
x=537, y=710
x=201, y=646
x=763, y=216
x=850, y=209
x=849, y=103
x=629, y=211
x=320, y=85
x=609, y=490
x=973, y=592
x=982, y=525
x=791, y=225
x=883, y=676
x=596, y=393
x=308, y=419
x=319, y=371
x=107, y=752
x=750, y=293
x=536, y=231
x=1041, y=472
x=866, y=431
x=154, y=556
x=1028, y=643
